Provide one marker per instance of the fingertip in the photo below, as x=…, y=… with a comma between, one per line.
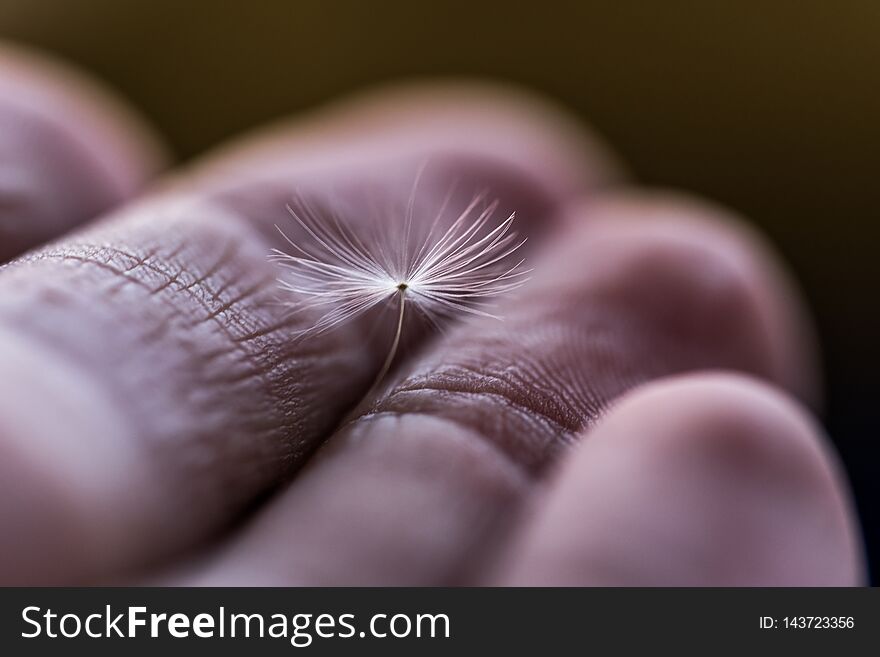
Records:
x=504, y=122
x=123, y=143
x=495, y=122
x=729, y=274
x=727, y=419
x=708, y=479
x=69, y=149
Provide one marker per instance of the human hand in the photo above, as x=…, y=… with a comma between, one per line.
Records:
x=159, y=418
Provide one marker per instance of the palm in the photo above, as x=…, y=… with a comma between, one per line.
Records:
x=161, y=413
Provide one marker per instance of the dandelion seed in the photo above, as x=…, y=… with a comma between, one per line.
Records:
x=440, y=269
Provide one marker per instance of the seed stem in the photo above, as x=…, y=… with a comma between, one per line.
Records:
x=392, y=352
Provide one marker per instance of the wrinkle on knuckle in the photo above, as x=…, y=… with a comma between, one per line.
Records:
x=491, y=417
x=518, y=406
x=177, y=318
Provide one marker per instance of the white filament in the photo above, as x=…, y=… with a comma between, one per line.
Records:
x=450, y=271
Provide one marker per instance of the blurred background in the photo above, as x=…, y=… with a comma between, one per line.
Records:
x=770, y=108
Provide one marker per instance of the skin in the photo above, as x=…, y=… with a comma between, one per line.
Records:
x=642, y=415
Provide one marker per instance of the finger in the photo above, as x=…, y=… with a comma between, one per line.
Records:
x=199, y=396
x=422, y=487
x=68, y=150
x=781, y=319
x=515, y=131
x=473, y=137
x=705, y=480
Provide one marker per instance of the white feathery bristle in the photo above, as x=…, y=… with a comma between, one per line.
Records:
x=452, y=268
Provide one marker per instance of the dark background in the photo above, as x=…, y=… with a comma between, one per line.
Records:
x=769, y=107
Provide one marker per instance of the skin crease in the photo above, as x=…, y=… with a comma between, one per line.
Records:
x=202, y=403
